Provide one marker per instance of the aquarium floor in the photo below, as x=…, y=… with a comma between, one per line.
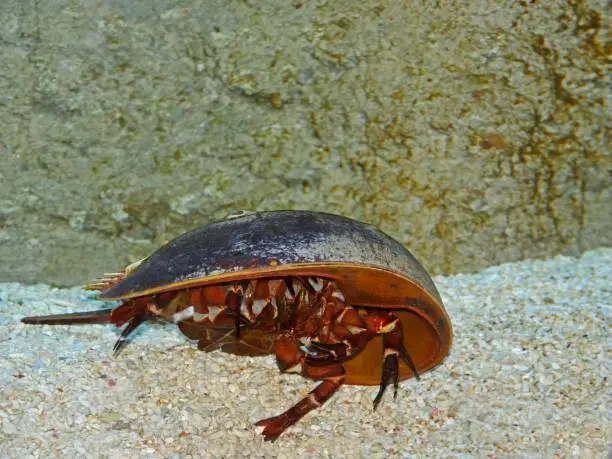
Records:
x=527, y=377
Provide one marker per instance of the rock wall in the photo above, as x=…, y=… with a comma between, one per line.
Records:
x=473, y=132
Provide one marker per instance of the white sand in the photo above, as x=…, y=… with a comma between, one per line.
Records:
x=527, y=376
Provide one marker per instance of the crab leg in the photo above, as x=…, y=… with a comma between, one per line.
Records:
x=390, y=373
x=325, y=353
x=290, y=358
x=132, y=325
x=393, y=342
x=332, y=376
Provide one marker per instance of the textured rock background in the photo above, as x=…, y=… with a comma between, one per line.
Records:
x=474, y=132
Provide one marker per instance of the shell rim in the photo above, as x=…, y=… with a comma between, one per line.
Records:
x=256, y=273
x=312, y=268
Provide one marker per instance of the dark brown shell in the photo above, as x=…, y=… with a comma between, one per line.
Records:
x=259, y=241
x=371, y=268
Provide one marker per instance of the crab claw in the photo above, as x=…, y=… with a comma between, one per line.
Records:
x=272, y=428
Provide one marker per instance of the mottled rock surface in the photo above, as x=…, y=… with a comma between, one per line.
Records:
x=473, y=132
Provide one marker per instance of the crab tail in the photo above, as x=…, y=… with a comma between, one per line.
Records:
x=101, y=316
x=132, y=312
x=118, y=316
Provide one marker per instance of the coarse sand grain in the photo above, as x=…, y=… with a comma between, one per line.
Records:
x=527, y=377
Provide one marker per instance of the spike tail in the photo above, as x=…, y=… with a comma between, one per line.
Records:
x=134, y=313
x=101, y=316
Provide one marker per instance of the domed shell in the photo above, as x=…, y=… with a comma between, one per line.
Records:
x=371, y=268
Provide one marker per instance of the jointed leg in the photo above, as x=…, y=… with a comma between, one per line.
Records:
x=390, y=373
x=291, y=358
x=318, y=353
x=332, y=377
x=132, y=325
x=393, y=342
x=233, y=300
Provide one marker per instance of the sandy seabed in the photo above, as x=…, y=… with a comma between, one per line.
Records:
x=528, y=376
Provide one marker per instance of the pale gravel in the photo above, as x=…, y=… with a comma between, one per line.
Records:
x=527, y=377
